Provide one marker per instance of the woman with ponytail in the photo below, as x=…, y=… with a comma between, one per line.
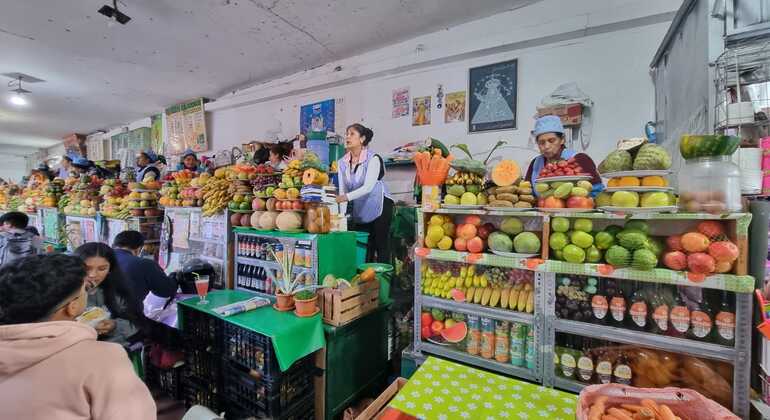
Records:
x=360, y=173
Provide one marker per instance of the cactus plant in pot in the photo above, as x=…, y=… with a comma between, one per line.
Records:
x=305, y=301
x=286, y=287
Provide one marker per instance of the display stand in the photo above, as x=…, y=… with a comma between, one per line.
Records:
x=546, y=325
x=51, y=221
x=150, y=228
x=80, y=230
x=322, y=254
x=187, y=234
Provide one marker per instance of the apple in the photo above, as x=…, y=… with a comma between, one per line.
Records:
x=485, y=229
x=576, y=202
x=473, y=220
x=461, y=244
x=553, y=203
x=475, y=245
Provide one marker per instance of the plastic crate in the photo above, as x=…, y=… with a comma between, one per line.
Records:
x=269, y=397
x=201, y=394
x=251, y=350
x=200, y=328
x=202, y=365
x=168, y=381
x=302, y=410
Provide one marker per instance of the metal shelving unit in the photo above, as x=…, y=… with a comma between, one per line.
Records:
x=546, y=325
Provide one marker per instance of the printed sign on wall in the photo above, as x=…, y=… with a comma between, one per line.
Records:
x=455, y=107
x=186, y=128
x=317, y=117
x=492, y=97
x=400, y=102
x=421, y=111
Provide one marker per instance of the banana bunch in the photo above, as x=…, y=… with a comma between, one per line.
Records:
x=465, y=178
x=64, y=201
x=216, y=194
x=123, y=214
x=293, y=168
x=520, y=297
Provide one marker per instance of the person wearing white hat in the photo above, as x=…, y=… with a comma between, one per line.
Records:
x=145, y=165
x=549, y=136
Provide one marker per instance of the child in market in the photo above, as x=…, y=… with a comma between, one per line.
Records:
x=53, y=367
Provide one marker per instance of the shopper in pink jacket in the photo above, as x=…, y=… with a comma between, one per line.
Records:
x=52, y=367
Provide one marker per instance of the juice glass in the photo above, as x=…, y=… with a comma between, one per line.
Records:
x=202, y=287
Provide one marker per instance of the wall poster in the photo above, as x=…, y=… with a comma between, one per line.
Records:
x=317, y=117
x=492, y=97
x=156, y=134
x=455, y=107
x=400, y=102
x=186, y=127
x=421, y=110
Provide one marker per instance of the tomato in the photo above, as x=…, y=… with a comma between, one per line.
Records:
x=426, y=319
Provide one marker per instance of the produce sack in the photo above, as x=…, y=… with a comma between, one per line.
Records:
x=685, y=403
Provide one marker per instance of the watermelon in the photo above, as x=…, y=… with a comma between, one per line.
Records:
x=456, y=333
x=695, y=146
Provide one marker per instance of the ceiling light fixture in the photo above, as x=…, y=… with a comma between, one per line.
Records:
x=17, y=98
x=114, y=14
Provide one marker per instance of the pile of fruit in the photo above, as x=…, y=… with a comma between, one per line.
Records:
x=511, y=196
x=704, y=250
x=567, y=167
x=574, y=242
x=266, y=181
x=440, y=233
x=637, y=157
x=292, y=175
x=53, y=192
x=437, y=324
x=184, y=191
x=495, y=287
x=83, y=199
x=696, y=146
x=561, y=194
x=142, y=201
x=241, y=196
x=465, y=186
x=115, y=203
x=511, y=237
x=216, y=194
x=241, y=172
x=632, y=199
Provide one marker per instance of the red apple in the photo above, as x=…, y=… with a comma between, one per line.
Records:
x=466, y=231
x=485, y=229
x=461, y=244
x=473, y=220
x=476, y=245
x=580, y=203
x=553, y=203
x=425, y=332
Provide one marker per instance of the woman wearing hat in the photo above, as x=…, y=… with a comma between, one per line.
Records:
x=190, y=162
x=549, y=135
x=145, y=165
x=66, y=166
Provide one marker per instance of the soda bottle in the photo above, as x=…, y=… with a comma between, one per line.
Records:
x=660, y=307
x=531, y=353
x=679, y=317
x=618, y=305
x=600, y=305
x=701, y=318
x=622, y=373
x=638, y=311
x=725, y=320
x=518, y=343
x=568, y=360
x=502, y=342
x=603, y=367
x=585, y=363
x=487, y=338
x=473, y=340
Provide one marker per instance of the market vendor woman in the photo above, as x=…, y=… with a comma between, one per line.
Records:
x=549, y=135
x=361, y=172
x=145, y=164
x=190, y=162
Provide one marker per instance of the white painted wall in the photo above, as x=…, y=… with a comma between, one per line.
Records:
x=610, y=66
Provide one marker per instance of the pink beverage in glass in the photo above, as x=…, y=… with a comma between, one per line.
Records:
x=202, y=287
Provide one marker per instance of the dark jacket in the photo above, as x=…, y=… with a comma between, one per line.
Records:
x=144, y=276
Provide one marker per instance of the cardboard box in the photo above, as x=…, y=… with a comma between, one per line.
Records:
x=570, y=114
x=377, y=408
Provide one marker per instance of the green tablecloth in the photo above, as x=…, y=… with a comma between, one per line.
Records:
x=444, y=390
x=293, y=337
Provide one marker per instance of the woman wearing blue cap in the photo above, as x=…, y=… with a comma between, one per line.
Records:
x=145, y=165
x=190, y=162
x=66, y=166
x=549, y=135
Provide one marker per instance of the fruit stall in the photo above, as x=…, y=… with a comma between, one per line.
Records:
x=632, y=286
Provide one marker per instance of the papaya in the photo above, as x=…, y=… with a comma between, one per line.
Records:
x=505, y=173
x=507, y=197
x=500, y=203
x=506, y=190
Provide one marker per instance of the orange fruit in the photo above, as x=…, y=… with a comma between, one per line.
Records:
x=613, y=182
x=654, y=181
x=629, y=181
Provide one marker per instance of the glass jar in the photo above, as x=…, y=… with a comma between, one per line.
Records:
x=710, y=185
x=317, y=218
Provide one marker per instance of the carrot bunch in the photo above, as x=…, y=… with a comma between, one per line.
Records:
x=645, y=410
x=432, y=167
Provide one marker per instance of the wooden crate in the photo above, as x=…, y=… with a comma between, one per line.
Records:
x=377, y=408
x=340, y=306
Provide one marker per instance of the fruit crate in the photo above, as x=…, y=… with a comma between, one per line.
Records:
x=202, y=364
x=199, y=328
x=253, y=351
x=341, y=306
x=269, y=397
x=205, y=394
x=302, y=410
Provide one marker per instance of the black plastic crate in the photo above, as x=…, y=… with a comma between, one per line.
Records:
x=250, y=350
x=203, y=365
x=302, y=410
x=168, y=381
x=268, y=396
x=204, y=394
x=200, y=329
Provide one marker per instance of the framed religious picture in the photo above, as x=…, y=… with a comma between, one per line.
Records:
x=492, y=97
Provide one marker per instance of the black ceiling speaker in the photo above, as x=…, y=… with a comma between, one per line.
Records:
x=112, y=12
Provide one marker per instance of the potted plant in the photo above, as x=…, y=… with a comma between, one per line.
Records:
x=305, y=301
x=286, y=287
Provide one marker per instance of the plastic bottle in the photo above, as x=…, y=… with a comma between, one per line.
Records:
x=473, y=342
x=659, y=306
x=600, y=305
x=622, y=373
x=701, y=319
x=603, y=367
x=585, y=363
x=487, y=338
x=618, y=307
x=518, y=347
x=531, y=353
x=639, y=311
x=679, y=317
x=725, y=320
x=568, y=360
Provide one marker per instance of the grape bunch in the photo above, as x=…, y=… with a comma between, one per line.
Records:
x=497, y=276
x=573, y=298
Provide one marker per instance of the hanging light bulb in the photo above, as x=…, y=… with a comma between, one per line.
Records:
x=17, y=99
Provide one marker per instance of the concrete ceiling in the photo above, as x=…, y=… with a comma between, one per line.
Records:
x=100, y=77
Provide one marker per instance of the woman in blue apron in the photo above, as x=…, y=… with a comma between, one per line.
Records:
x=190, y=162
x=145, y=164
x=549, y=135
x=361, y=172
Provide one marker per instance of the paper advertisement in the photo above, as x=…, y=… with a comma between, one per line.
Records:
x=455, y=107
x=400, y=102
x=421, y=111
